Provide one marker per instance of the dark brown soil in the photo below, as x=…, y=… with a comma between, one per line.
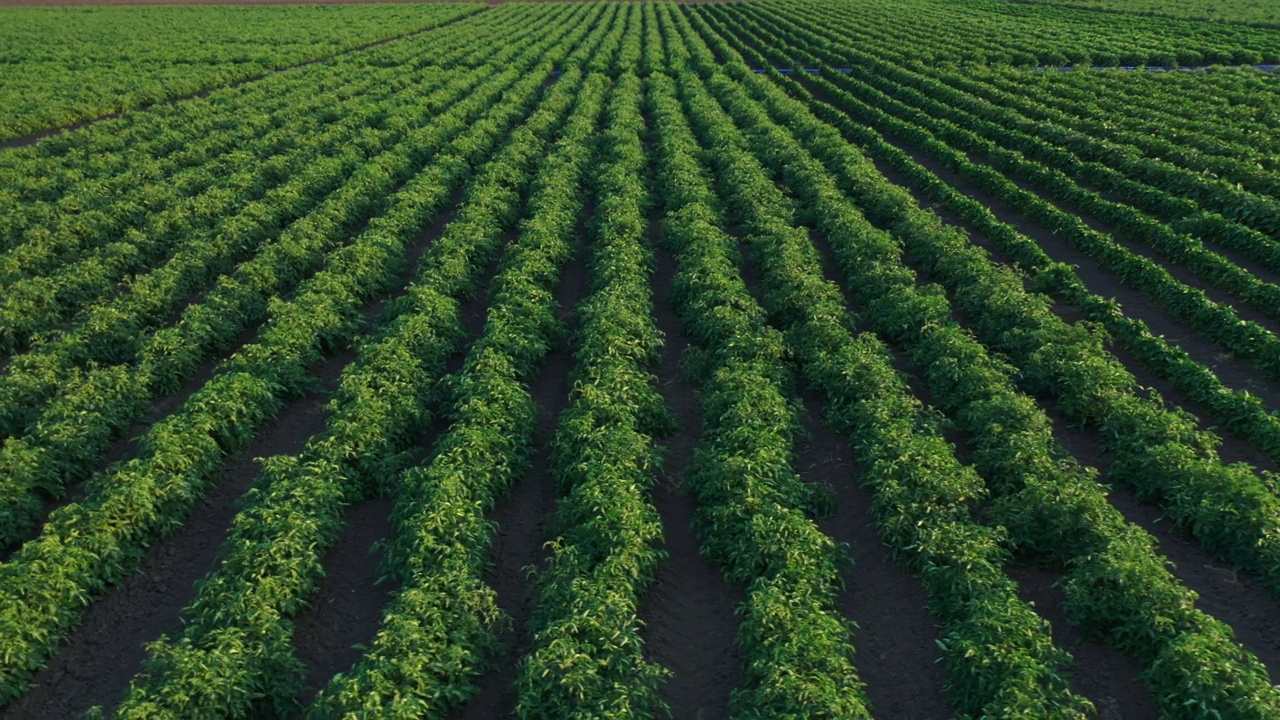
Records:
x=523, y=515
x=1238, y=600
x=689, y=613
x=896, y=637
x=906, y=678
x=1179, y=272
x=1102, y=674
x=1230, y=452
x=347, y=610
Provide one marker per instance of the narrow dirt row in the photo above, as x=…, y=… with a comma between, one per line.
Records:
x=896, y=639
x=690, y=611
x=522, y=515
x=347, y=609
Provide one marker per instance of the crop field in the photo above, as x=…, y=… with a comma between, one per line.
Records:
x=1249, y=12
x=903, y=359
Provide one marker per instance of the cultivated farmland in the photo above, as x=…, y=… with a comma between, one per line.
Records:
x=808, y=359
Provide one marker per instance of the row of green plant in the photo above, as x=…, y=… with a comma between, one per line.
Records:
x=1241, y=501
x=64, y=65
x=999, y=654
x=115, y=156
x=1170, y=106
x=42, y=192
x=1193, y=207
x=1097, y=119
x=86, y=547
x=81, y=412
x=1247, y=12
x=587, y=650
x=653, y=56
x=1054, y=510
x=1159, y=452
x=1218, y=209
x=88, y=252
x=438, y=632
x=615, y=20
x=110, y=329
x=753, y=514
x=1217, y=321
x=235, y=655
x=1239, y=411
x=55, y=290
x=994, y=32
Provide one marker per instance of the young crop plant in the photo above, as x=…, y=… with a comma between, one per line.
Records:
x=239, y=622
x=994, y=668
x=588, y=650
x=47, y=578
x=1161, y=453
x=437, y=634
x=752, y=506
x=455, y=271
x=1115, y=581
x=90, y=408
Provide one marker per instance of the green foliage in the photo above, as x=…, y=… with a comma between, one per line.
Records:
x=63, y=65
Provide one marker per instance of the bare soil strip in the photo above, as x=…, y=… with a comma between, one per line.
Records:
x=522, y=516
x=1101, y=673
x=690, y=612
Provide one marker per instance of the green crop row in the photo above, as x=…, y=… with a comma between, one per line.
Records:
x=236, y=652
x=587, y=651
x=78, y=424
x=1116, y=584
x=1161, y=453
x=1000, y=656
x=86, y=547
x=63, y=65
x=438, y=631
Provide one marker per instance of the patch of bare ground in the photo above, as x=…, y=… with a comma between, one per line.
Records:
x=348, y=606
x=522, y=516
x=1101, y=673
x=108, y=647
x=895, y=636
x=690, y=611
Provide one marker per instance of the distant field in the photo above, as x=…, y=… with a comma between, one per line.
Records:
x=618, y=361
x=59, y=66
x=1256, y=12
